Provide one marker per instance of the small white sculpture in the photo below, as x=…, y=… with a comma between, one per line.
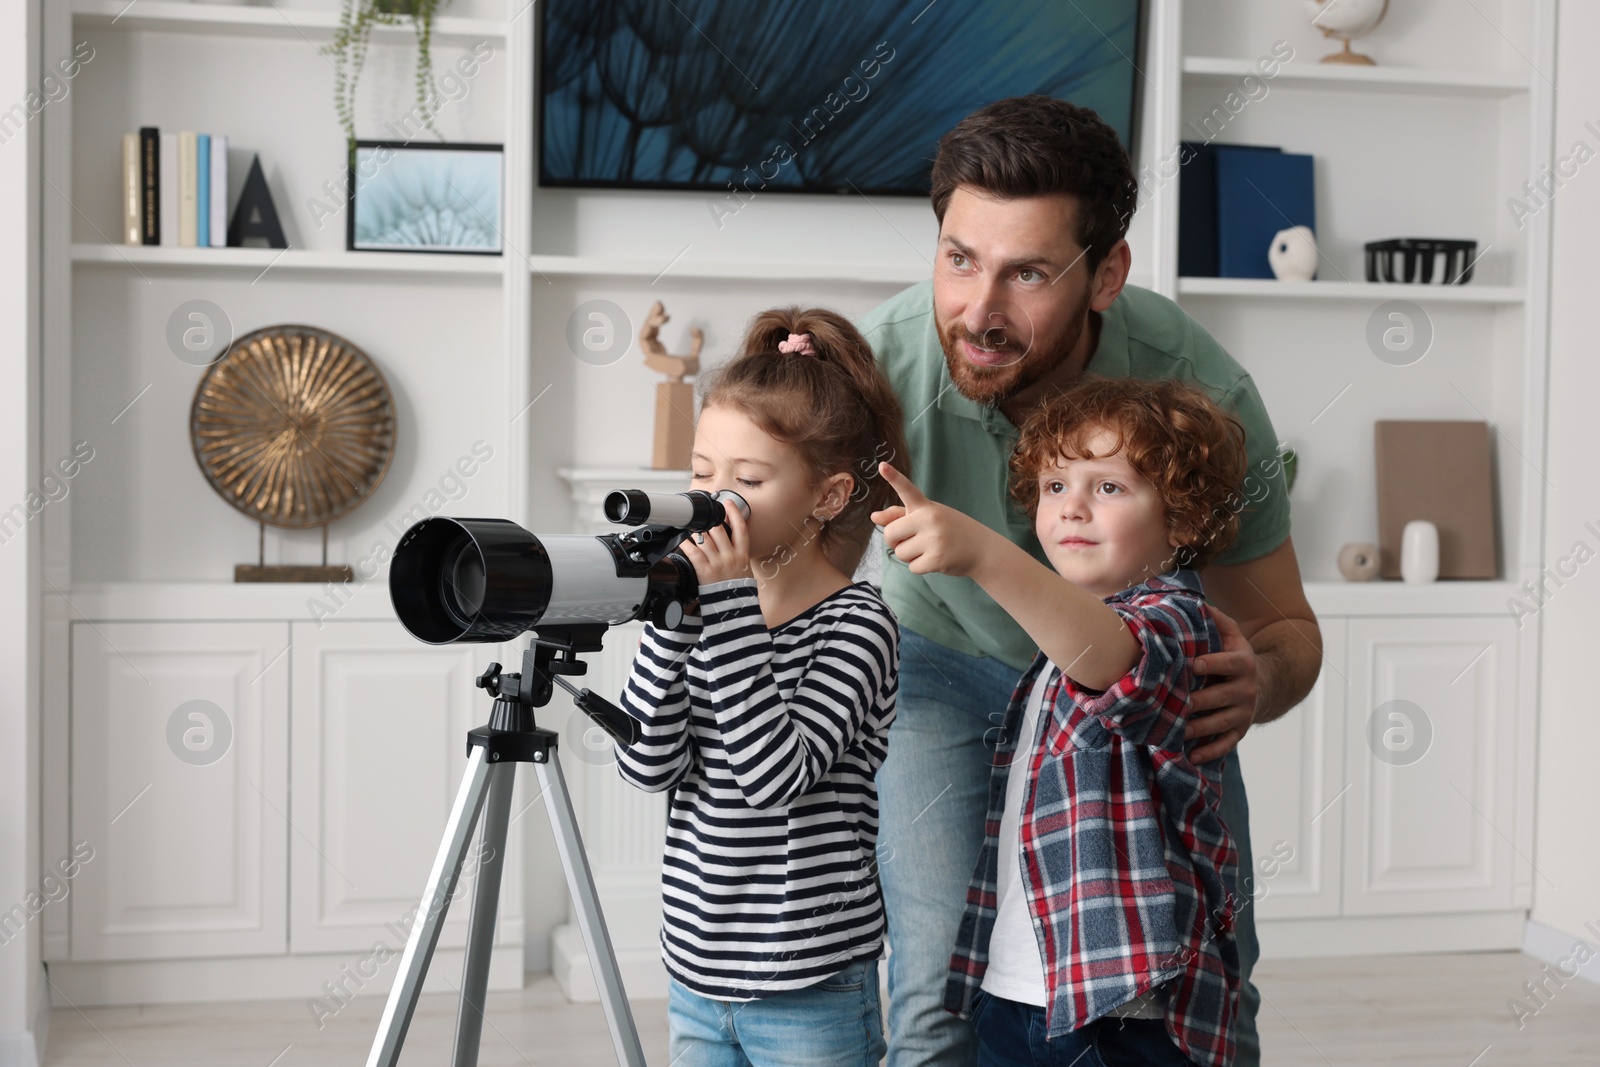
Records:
x=1293, y=254
x=1359, y=562
x=1419, y=551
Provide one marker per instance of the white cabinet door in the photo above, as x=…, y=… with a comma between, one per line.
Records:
x=1294, y=776
x=179, y=781
x=1430, y=743
x=380, y=728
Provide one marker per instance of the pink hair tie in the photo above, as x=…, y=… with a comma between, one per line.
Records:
x=799, y=343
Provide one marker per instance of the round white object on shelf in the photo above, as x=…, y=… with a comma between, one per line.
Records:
x=1419, y=551
x=1346, y=18
x=1293, y=254
x=1359, y=562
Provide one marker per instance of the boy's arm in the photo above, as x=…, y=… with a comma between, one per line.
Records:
x=1080, y=633
x=1150, y=703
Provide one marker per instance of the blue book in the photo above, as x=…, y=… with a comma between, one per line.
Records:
x=1258, y=194
x=203, y=191
x=1197, y=207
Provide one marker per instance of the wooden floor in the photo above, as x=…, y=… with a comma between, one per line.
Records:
x=1449, y=1010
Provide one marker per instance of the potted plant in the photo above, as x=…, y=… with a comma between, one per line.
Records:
x=349, y=52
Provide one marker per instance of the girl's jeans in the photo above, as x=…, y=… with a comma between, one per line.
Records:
x=835, y=1023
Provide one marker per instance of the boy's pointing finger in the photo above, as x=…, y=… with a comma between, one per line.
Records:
x=910, y=495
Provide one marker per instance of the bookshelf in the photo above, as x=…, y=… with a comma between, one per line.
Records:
x=1363, y=291
x=270, y=21
x=1216, y=70
x=1434, y=141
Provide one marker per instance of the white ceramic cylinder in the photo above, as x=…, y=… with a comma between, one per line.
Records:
x=1419, y=551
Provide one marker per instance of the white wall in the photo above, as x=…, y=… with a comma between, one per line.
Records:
x=22, y=1004
x=1567, y=856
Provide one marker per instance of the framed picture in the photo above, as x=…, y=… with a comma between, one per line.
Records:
x=425, y=198
x=809, y=96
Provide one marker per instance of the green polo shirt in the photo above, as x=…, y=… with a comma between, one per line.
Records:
x=960, y=449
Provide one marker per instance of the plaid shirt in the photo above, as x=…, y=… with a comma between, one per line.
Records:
x=1128, y=868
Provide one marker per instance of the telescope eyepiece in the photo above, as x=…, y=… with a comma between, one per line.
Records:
x=694, y=511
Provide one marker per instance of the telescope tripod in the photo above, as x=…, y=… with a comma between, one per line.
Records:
x=493, y=752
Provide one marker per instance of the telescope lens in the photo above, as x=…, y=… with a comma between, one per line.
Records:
x=462, y=582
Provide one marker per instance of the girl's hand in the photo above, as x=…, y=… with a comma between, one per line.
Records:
x=927, y=536
x=720, y=555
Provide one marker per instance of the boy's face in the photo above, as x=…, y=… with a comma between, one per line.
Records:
x=1101, y=523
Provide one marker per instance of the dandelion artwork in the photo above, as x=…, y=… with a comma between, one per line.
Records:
x=425, y=198
x=840, y=96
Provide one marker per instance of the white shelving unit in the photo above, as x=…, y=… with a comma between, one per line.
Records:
x=327, y=846
x=1367, y=292
x=479, y=350
x=1383, y=80
x=269, y=21
x=1434, y=141
x=144, y=257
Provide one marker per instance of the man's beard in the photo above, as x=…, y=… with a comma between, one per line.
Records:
x=1024, y=364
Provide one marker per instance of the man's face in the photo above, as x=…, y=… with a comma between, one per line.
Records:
x=1011, y=290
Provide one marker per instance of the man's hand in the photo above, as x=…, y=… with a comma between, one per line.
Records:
x=1224, y=709
x=927, y=536
x=719, y=555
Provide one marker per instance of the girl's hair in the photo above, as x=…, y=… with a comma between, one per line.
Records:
x=1173, y=433
x=836, y=408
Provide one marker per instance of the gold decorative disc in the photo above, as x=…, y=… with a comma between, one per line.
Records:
x=294, y=426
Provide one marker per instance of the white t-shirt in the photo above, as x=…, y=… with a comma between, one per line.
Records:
x=1016, y=967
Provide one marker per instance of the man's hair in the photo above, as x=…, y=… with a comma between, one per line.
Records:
x=1035, y=146
x=1173, y=433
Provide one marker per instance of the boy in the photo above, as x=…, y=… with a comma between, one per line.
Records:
x=1100, y=914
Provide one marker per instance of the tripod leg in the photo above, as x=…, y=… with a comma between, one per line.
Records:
x=485, y=903
x=580, y=881
x=430, y=918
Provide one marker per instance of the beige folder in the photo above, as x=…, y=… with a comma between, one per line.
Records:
x=1441, y=471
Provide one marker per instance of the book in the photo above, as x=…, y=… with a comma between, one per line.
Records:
x=1197, y=206
x=188, y=198
x=219, y=190
x=1441, y=471
x=1258, y=194
x=132, y=228
x=167, y=190
x=150, y=184
x=202, y=189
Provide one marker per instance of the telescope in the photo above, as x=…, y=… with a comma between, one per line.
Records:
x=488, y=580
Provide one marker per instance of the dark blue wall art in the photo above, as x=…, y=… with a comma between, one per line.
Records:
x=808, y=95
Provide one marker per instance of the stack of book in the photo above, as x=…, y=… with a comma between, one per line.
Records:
x=1232, y=201
x=174, y=188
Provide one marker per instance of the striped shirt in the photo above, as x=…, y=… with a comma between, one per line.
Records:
x=769, y=739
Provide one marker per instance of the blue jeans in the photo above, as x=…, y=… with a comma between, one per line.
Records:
x=1013, y=1035
x=933, y=795
x=835, y=1023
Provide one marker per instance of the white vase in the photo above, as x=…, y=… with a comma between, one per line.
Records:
x=1293, y=254
x=1419, y=551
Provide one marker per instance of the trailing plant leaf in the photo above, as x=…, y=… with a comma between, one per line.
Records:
x=349, y=51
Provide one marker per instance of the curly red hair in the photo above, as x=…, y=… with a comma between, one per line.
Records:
x=1175, y=436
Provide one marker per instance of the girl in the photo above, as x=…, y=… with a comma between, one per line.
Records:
x=768, y=711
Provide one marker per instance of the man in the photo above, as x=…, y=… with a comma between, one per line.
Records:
x=1033, y=197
